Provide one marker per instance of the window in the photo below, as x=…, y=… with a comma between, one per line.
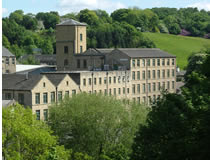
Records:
x=168, y=85
x=13, y=60
x=105, y=91
x=143, y=62
x=168, y=62
x=66, y=49
x=114, y=79
x=7, y=60
x=119, y=79
x=67, y=83
x=95, y=91
x=66, y=63
x=173, y=73
x=44, y=84
x=94, y=81
x=173, y=61
x=7, y=71
x=119, y=91
x=100, y=80
x=149, y=87
x=104, y=80
x=138, y=62
x=158, y=86
x=45, y=114
x=163, y=73
x=143, y=74
x=74, y=91
x=138, y=100
x=168, y=73
x=59, y=95
x=173, y=85
x=85, y=63
x=148, y=62
x=52, y=97
x=110, y=91
x=138, y=88
x=154, y=98
x=128, y=90
x=133, y=62
x=8, y=96
x=144, y=99
x=134, y=100
x=84, y=82
x=37, y=98
x=45, y=98
x=133, y=88
x=133, y=75
x=163, y=85
x=100, y=91
x=138, y=75
x=67, y=93
x=80, y=37
x=153, y=74
x=158, y=73
x=110, y=80
x=123, y=90
x=163, y=62
x=153, y=87
x=78, y=63
x=153, y=62
x=80, y=49
x=158, y=62
x=21, y=98
x=149, y=74
x=37, y=114
x=89, y=81
x=144, y=88
x=115, y=92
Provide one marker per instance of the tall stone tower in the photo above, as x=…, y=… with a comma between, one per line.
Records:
x=70, y=41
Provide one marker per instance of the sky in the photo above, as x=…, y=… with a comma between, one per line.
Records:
x=69, y=6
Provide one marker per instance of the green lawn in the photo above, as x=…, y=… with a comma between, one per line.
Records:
x=180, y=46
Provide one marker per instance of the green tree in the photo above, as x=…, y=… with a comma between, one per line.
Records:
x=5, y=42
x=23, y=137
x=29, y=22
x=92, y=123
x=88, y=17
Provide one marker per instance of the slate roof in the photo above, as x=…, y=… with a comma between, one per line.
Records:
x=71, y=22
x=55, y=78
x=6, y=52
x=90, y=52
x=105, y=50
x=19, y=81
x=42, y=58
x=145, y=53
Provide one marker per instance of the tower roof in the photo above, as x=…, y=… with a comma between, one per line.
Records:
x=71, y=22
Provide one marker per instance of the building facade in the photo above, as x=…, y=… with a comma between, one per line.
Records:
x=8, y=61
x=136, y=74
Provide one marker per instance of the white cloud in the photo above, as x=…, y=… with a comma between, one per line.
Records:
x=4, y=11
x=67, y=6
x=201, y=5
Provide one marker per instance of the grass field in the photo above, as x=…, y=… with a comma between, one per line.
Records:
x=180, y=46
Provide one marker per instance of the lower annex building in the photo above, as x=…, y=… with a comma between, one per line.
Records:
x=137, y=74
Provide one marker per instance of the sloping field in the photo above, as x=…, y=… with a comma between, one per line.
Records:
x=181, y=46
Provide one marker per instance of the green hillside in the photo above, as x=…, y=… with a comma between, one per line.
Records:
x=180, y=46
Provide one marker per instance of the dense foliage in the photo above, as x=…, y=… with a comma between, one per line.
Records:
x=23, y=137
x=24, y=33
x=97, y=125
x=178, y=125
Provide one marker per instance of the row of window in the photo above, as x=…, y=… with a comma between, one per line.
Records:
x=143, y=100
x=152, y=62
x=111, y=80
x=52, y=96
x=152, y=87
x=7, y=61
x=45, y=114
x=153, y=74
x=136, y=88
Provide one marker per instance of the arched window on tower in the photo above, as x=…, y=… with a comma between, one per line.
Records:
x=66, y=63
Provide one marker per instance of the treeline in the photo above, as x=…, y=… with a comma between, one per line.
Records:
x=24, y=33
